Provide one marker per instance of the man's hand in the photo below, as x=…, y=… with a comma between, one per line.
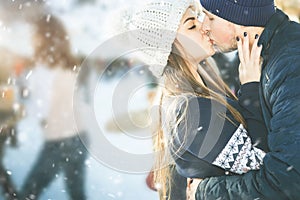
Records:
x=191, y=188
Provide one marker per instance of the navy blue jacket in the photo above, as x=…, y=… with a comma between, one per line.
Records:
x=279, y=177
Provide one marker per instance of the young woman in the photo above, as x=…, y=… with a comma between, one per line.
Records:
x=204, y=128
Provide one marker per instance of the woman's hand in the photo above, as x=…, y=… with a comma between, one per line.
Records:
x=192, y=185
x=250, y=66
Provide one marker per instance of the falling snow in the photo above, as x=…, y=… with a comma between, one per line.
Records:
x=199, y=128
x=101, y=179
x=48, y=17
x=29, y=74
x=289, y=168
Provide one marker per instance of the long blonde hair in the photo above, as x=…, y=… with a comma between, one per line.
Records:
x=179, y=80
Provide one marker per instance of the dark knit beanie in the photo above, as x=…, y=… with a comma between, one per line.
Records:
x=242, y=12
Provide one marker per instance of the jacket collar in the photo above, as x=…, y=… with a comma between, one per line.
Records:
x=270, y=30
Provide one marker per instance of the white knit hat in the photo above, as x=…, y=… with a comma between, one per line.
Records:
x=153, y=27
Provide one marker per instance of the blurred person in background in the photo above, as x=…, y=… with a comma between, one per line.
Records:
x=195, y=103
x=63, y=150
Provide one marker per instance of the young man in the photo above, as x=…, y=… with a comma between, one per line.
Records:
x=229, y=21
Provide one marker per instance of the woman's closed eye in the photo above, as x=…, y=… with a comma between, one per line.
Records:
x=190, y=23
x=192, y=27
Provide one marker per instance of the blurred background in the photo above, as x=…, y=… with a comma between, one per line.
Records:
x=27, y=87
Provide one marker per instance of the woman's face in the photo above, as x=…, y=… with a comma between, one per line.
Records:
x=196, y=45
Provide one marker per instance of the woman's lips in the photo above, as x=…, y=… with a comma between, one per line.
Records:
x=210, y=40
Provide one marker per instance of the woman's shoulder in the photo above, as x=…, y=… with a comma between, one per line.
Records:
x=197, y=103
x=185, y=102
x=193, y=103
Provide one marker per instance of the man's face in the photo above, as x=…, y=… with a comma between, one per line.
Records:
x=221, y=32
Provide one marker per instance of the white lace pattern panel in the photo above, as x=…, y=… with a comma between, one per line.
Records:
x=239, y=154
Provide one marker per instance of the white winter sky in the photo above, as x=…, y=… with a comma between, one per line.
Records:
x=86, y=24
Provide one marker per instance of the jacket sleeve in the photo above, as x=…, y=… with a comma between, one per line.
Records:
x=279, y=177
x=250, y=108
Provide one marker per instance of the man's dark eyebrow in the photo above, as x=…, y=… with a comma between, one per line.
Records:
x=190, y=18
x=206, y=12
